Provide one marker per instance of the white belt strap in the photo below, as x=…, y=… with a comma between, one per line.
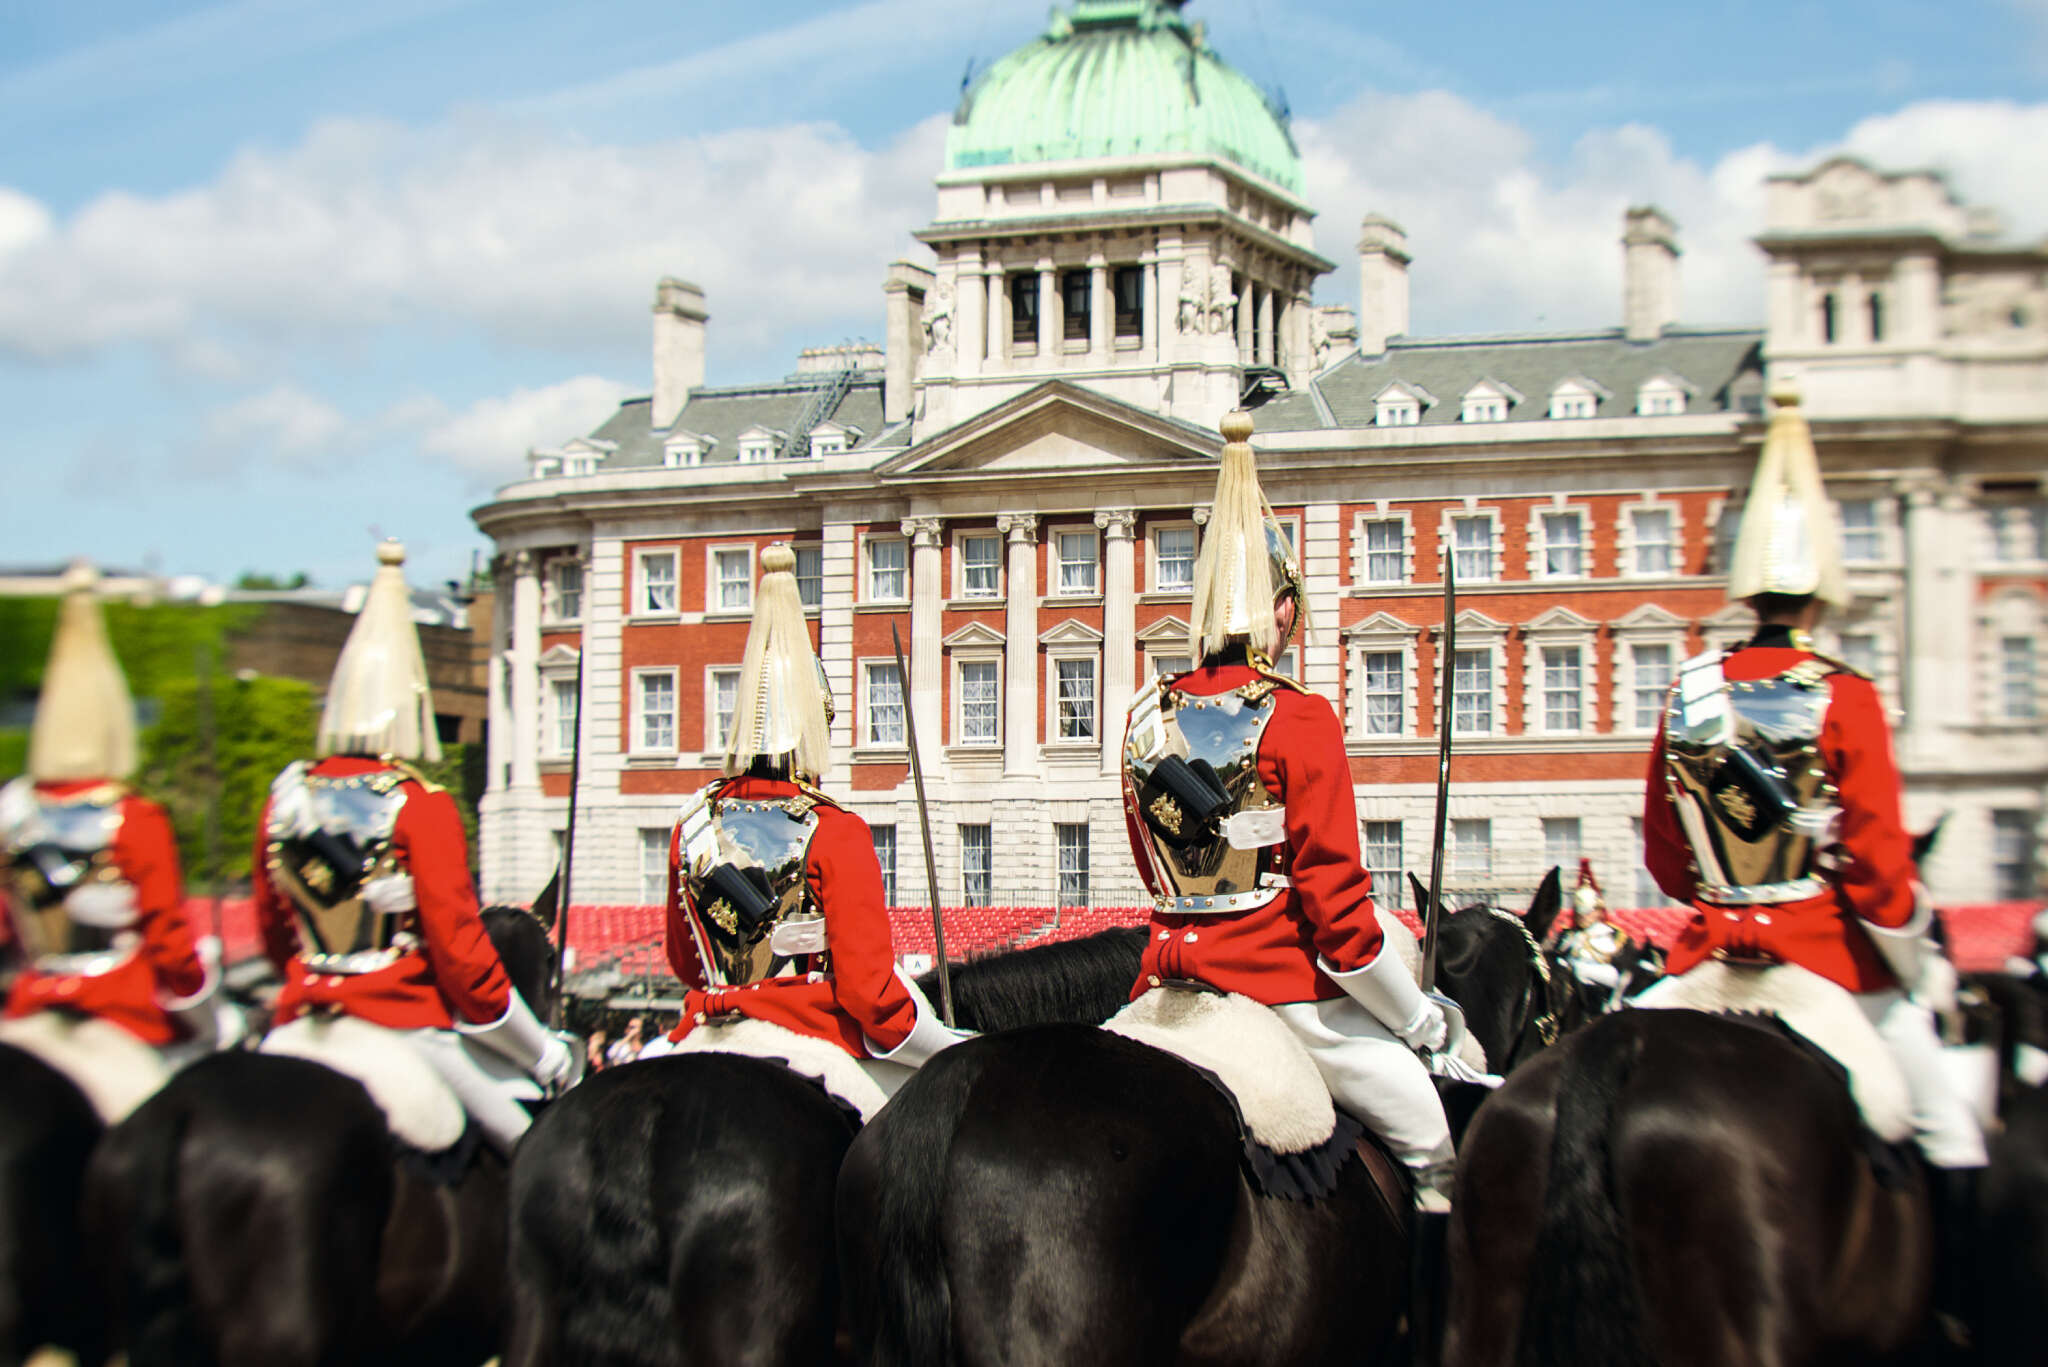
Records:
x=1703, y=699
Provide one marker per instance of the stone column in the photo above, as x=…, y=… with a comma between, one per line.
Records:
x=525, y=671
x=1100, y=311
x=970, y=295
x=1020, y=653
x=1937, y=668
x=1265, y=325
x=1244, y=294
x=1119, y=630
x=1049, y=322
x=927, y=597
x=998, y=317
x=1148, y=310
x=498, y=744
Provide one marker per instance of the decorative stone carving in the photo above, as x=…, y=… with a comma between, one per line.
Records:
x=1221, y=300
x=922, y=531
x=938, y=323
x=1117, y=523
x=1018, y=526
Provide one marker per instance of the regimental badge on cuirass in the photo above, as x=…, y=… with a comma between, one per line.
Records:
x=328, y=836
x=745, y=888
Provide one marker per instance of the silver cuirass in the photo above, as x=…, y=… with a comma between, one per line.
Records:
x=744, y=887
x=50, y=848
x=326, y=838
x=1212, y=833
x=1742, y=764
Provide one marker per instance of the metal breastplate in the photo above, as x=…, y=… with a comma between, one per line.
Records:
x=1210, y=830
x=326, y=838
x=1753, y=796
x=745, y=892
x=52, y=847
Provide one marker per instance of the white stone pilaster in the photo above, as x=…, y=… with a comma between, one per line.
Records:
x=1100, y=314
x=1020, y=657
x=498, y=745
x=998, y=318
x=1322, y=547
x=1938, y=587
x=525, y=672
x=927, y=597
x=971, y=292
x=1119, y=630
x=1049, y=321
x=835, y=640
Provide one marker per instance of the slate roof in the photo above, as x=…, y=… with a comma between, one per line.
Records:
x=725, y=412
x=1724, y=367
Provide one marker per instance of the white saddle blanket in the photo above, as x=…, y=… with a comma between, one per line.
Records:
x=1285, y=1103
x=822, y=1061
x=421, y=1109
x=116, y=1071
x=1822, y=1011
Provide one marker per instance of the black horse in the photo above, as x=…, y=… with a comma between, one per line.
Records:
x=679, y=1210
x=1707, y=1198
x=1062, y=1194
x=263, y=1214
x=47, y=1132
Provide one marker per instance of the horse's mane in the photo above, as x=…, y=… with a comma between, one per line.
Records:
x=1081, y=982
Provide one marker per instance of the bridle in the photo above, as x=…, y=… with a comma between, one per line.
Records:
x=1543, y=1024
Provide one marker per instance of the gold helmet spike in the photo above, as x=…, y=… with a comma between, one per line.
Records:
x=1789, y=542
x=1246, y=565
x=85, y=721
x=379, y=701
x=782, y=707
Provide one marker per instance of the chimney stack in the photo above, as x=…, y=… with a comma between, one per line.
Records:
x=679, y=320
x=1382, y=283
x=903, y=343
x=1649, y=273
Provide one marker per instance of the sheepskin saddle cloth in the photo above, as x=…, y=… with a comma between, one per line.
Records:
x=1810, y=1006
x=421, y=1109
x=823, y=1062
x=116, y=1071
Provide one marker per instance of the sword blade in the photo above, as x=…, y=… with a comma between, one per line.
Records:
x=1446, y=674
x=924, y=824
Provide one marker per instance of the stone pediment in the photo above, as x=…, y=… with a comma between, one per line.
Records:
x=1071, y=632
x=1649, y=617
x=1057, y=428
x=559, y=657
x=1170, y=630
x=973, y=634
x=1382, y=624
x=1559, y=620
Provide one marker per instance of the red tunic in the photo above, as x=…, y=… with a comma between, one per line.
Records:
x=1269, y=953
x=1875, y=877
x=861, y=995
x=165, y=967
x=453, y=974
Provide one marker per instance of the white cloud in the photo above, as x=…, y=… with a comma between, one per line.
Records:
x=489, y=439
x=282, y=425
x=1504, y=242
x=476, y=224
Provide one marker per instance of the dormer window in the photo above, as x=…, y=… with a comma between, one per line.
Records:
x=579, y=463
x=1488, y=401
x=1661, y=396
x=831, y=438
x=684, y=449
x=758, y=445
x=1576, y=398
x=1401, y=405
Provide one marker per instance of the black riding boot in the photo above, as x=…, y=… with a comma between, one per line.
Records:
x=1954, y=1193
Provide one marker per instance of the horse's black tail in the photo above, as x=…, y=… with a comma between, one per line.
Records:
x=891, y=1191
x=1584, y=1306
x=131, y=1214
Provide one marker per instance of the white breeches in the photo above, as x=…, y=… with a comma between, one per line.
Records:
x=1374, y=1076
x=1943, y=1123
x=488, y=1085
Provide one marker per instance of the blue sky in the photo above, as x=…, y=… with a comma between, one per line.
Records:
x=277, y=274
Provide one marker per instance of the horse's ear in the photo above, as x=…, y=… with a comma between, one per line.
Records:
x=1923, y=843
x=1421, y=895
x=1543, y=907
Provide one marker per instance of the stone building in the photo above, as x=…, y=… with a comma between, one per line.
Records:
x=1014, y=482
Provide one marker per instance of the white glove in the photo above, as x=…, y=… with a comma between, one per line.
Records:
x=1456, y=1069
x=519, y=1036
x=1936, y=987
x=104, y=906
x=556, y=1067
x=928, y=1034
x=390, y=895
x=1384, y=988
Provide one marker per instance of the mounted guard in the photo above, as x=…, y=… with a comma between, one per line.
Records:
x=1239, y=804
x=1773, y=809
x=364, y=897
x=777, y=925
x=116, y=986
x=1593, y=944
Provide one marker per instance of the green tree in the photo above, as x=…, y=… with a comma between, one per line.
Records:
x=250, y=579
x=260, y=725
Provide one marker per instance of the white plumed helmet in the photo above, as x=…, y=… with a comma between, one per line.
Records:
x=85, y=721
x=1246, y=563
x=781, y=709
x=1789, y=542
x=379, y=702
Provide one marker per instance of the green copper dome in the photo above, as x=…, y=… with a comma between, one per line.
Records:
x=1120, y=78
